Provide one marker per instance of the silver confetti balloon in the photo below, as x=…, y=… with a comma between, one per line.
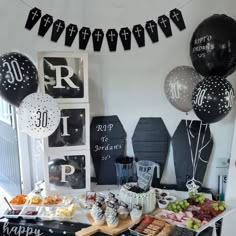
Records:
x=179, y=86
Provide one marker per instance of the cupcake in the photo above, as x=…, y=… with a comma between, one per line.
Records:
x=123, y=211
x=110, y=209
x=112, y=220
x=136, y=213
x=97, y=214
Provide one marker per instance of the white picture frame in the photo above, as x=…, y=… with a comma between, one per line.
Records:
x=77, y=64
x=76, y=179
x=73, y=132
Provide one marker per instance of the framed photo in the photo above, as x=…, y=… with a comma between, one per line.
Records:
x=64, y=76
x=67, y=172
x=73, y=131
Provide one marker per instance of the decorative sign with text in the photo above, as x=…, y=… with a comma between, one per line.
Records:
x=73, y=130
x=144, y=180
x=67, y=172
x=65, y=76
x=107, y=142
x=97, y=35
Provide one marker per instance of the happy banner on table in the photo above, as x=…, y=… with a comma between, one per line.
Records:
x=150, y=28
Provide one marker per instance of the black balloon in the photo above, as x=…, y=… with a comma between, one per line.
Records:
x=18, y=77
x=54, y=168
x=213, y=46
x=212, y=99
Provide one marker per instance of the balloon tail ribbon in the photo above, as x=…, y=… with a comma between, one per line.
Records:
x=202, y=147
x=193, y=184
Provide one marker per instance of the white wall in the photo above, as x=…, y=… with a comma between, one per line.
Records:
x=128, y=84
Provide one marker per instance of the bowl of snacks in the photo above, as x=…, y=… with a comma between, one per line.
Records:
x=162, y=203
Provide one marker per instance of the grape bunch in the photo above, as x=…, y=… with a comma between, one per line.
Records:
x=192, y=223
x=196, y=198
x=218, y=206
x=178, y=206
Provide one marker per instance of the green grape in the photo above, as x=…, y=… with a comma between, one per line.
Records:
x=221, y=208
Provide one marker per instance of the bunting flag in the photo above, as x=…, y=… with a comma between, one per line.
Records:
x=112, y=35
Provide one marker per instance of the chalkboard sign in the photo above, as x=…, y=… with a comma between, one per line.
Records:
x=107, y=142
x=151, y=141
x=182, y=151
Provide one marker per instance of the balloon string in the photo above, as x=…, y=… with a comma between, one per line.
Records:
x=203, y=146
x=196, y=150
x=189, y=141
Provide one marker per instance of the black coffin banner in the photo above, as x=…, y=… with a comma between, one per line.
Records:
x=182, y=153
x=33, y=17
x=151, y=141
x=107, y=142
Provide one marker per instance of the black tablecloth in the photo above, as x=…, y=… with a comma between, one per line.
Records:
x=50, y=228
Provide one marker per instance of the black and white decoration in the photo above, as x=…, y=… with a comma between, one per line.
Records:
x=67, y=149
x=65, y=76
x=151, y=28
x=125, y=36
x=18, y=77
x=98, y=36
x=67, y=172
x=57, y=29
x=45, y=24
x=112, y=38
x=84, y=35
x=138, y=32
x=39, y=115
x=73, y=130
x=33, y=17
x=164, y=23
x=71, y=32
x=212, y=99
x=177, y=17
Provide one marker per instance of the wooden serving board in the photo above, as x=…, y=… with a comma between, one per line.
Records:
x=122, y=226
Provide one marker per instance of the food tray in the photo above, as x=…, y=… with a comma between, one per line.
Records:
x=38, y=212
x=228, y=210
x=66, y=201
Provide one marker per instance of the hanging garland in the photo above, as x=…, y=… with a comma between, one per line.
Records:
x=97, y=35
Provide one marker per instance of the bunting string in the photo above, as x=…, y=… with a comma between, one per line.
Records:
x=47, y=24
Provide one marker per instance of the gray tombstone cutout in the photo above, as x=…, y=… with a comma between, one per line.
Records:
x=151, y=142
x=182, y=151
x=107, y=142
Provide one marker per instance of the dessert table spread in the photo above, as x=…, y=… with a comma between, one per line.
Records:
x=37, y=227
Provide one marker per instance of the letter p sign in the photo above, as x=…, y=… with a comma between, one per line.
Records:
x=65, y=171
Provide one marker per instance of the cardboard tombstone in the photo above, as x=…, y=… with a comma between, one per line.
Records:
x=107, y=143
x=151, y=142
x=182, y=150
